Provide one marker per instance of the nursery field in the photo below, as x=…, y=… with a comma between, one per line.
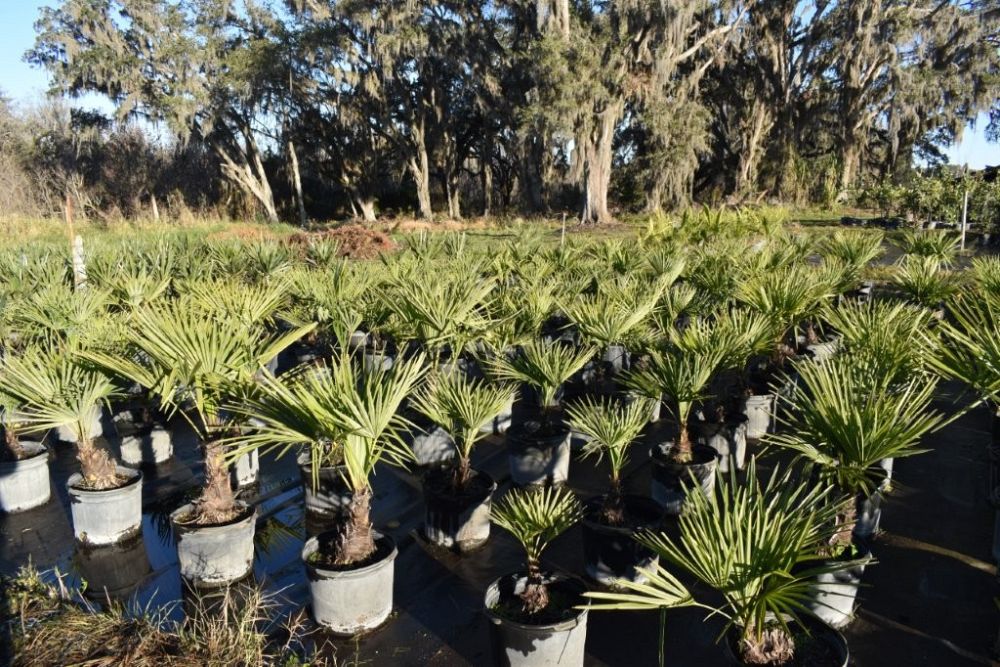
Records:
x=718, y=440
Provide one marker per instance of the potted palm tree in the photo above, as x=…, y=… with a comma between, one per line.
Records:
x=53, y=391
x=195, y=365
x=341, y=408
x=539, y=448
x=24, y=464
x=609, y=521
x=786, y=296
x=846, y=423
x=926, y=282
x=533, y=608
x=446, y=311
x=457, y=496
x=757, y=545
x=682, y=376
x=610, y=321
x=847, y=420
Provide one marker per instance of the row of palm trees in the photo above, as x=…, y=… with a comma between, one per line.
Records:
x=456, y=334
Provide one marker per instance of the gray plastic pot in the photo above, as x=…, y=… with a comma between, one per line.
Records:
x=729, y=441
x=107, y=516
x=454, y=521
x=535, y=458
x=214, y=555
x=24, y=484
x=331, y=495
x=246, y=469
x=431, y=445
x=372, y=361
x=758, y=409
x=147, y=447
x=525, y=645
x=671, y=482
x=833, y=595
x=822, y=351
x=351, y=601
x=611, y=552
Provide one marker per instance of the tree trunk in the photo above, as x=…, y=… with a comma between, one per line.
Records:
x=297, y=183
x=366, y=205
x=217, y=503
x=755, y=130
x=486, y=179
x=420, y=169
x=598, y=153
x=10, y=447
x=535, y=597
x=532, y=184
x=453, y=191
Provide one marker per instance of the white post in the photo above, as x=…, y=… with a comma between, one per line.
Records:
x=79, y=265
x=965, y=215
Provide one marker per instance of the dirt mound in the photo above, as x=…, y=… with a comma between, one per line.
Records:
x=353, y=241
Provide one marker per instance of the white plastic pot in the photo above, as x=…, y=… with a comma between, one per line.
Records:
x=351, y=601
x=106, y=516
x=214, y=555
x=24, y=484
x=148, y=447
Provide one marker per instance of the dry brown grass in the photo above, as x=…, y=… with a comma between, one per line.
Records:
x=49, y=625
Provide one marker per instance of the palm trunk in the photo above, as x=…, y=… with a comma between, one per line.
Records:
x=681, y=452
x=10, y=446
x=355, y=540
x=96, y=466
x=613, y=508
x=535, y=597
x=463, y=473
x=218, y=503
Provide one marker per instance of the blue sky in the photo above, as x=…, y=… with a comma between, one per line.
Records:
x=25, y=84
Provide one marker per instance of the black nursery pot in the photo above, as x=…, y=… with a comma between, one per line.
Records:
x=672, y=481
x=610, y=552
x=458, y=521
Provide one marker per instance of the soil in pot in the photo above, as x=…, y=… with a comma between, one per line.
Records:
x=538, y=453
x=610, y=552
x=672, y=480
x=815, y=645
x=457, y=518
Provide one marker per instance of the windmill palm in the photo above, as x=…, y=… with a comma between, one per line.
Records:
x=544, y=365
x=463, y=406
x=682, y=376
x=970, y=351
x=185, y=358
x=51, y=390
x=925, y=281
x=343, y=415
x=610, y=428
x=755, y=543
x=846, y=421
x=786, y=296
x=535, y=518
